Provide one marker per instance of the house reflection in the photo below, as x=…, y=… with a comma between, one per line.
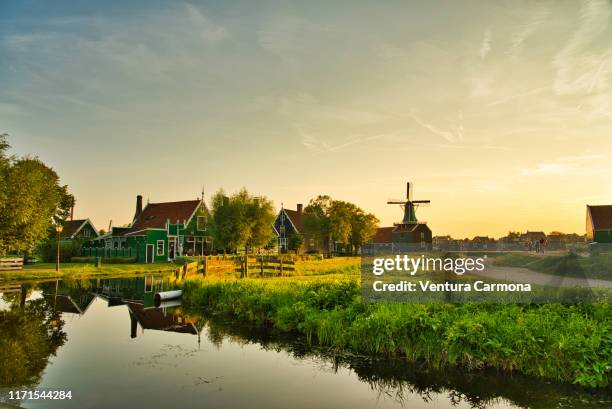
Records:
x=137, y=294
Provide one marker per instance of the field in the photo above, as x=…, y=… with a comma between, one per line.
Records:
x=565, y=343
x=83, y=270
x=571, y=265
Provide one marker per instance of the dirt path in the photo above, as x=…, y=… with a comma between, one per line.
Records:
x=524, y=275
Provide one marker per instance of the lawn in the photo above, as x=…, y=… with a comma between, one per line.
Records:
x=594, y=266
x=83, y=270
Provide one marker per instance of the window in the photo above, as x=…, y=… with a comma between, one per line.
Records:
x=201, y=223
x=116, y=244
x=160, y=247
x=312, y=243
x=199, y=240
x=86, y=233
x=283, y=243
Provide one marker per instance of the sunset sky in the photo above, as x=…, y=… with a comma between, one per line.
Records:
x=499, y=112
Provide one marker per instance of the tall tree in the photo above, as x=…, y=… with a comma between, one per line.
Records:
x=242, y=220
x=339, y=222
x=32, y=200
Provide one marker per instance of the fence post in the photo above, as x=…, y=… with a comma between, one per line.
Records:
x=261, y=264
x=204, y=266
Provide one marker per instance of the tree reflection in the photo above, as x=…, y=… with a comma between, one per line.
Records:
x=30, y=333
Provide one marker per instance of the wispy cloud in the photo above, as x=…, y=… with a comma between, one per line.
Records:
x=525, y=31
x=579, y=69
x=485, y=46
x=453, y=136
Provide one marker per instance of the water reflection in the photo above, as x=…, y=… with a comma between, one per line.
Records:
x=111, y=315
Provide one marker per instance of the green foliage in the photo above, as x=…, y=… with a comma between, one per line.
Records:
x=295, y=242
x=28, y=339
x=69, y=249
x=565, y=343
x=31, y=199
x=339, y=221
x=107, y=260
x=241, y=220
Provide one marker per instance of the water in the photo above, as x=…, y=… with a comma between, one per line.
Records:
x=106, y=342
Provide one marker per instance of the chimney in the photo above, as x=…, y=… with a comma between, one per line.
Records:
x=300, y=208
x=138, y=206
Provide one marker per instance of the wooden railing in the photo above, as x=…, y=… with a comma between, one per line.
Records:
x=262, y=266
x=11, y=263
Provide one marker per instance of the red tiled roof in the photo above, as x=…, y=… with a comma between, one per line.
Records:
x=383, y=235
x=155, y=215
x=601, y=216
x=71, y=227
x=155, y=318
x=296, y=218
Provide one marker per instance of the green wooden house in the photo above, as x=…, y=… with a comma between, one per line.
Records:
x=82, y=229
x=160, y=232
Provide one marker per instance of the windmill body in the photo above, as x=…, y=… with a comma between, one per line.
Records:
x=410, y=232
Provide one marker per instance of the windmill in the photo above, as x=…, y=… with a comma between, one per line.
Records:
x=409, y=206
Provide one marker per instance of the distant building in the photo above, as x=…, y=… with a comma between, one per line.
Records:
x=599, y=224
x=79, y=230
x=531, y=236
x=291, y=222
x=483, y=243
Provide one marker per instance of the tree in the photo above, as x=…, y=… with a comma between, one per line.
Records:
x=241, y=220
x=363, y=228
x=339, y=222
x=296, y=241
x=260, y=215
x=32, y=200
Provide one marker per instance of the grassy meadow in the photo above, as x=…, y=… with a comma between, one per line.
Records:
x=564, y=343
x=83, y=270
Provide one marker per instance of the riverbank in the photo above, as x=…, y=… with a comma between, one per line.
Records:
x=571, y=344
x=84, y=270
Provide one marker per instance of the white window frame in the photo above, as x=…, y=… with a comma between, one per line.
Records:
x=163, y=247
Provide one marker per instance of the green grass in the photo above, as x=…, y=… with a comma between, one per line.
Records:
x=83, y=270
x=570, y=343
x=595, y=266
x=337, y=265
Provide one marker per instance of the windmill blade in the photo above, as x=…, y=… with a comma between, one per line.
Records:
x=408, y=191
x=421, y=201
x=396, y=201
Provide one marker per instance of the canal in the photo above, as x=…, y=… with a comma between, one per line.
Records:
x=108, y=344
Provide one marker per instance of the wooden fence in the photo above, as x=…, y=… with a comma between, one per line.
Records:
x=247, y=267
x=11, y=263
x=187, y=269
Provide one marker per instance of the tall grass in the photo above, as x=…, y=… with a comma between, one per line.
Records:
x=558, y=342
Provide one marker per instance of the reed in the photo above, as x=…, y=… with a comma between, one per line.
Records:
x=566, y=343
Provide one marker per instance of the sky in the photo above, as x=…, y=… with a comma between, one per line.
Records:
x=500, y=113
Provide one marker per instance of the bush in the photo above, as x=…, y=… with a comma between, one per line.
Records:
x=109, y=260
x=187, y=259
x=47, y=251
